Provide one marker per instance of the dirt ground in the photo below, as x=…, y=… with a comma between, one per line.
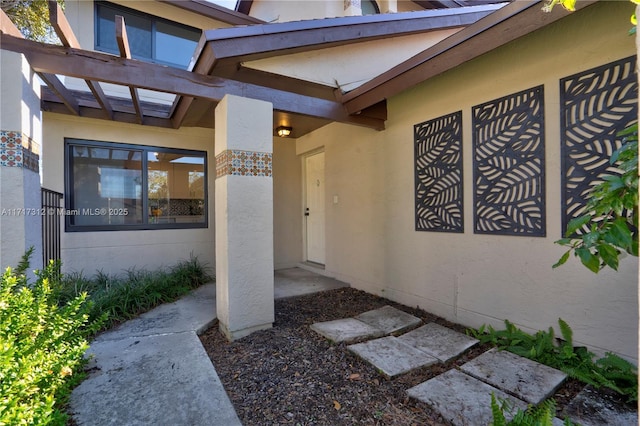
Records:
x=290, y=375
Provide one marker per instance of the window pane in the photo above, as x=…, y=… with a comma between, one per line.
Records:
x=138, y=32
x=175, y=44
x=106, y=186
x=176, y=185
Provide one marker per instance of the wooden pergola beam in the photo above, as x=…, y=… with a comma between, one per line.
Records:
x=102, y=67
x=7, y=27
x=56, y=86
x=125, y=52
x=67, y=37
x=204, y=63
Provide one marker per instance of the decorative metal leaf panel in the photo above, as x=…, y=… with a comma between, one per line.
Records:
x=438, y=160
x=595, y=105
x=508, y=165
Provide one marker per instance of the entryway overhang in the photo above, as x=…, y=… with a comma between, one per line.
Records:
x=255, y=61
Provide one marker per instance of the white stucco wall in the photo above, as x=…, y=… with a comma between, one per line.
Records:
x=473, y=278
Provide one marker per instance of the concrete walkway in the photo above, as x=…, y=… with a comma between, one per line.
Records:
x=153, y=370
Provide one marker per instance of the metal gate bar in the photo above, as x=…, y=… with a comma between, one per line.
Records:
x=50, y=225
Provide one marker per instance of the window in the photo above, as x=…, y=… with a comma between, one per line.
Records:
x=112, y=186
x=150, y=38
x=369, y=7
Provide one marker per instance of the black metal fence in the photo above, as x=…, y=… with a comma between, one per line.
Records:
x=50, y=225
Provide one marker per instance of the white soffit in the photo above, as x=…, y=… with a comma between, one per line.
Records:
x=347, y=67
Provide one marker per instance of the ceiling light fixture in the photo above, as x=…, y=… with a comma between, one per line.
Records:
x=283, y=131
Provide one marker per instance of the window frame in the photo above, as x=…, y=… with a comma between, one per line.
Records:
x=69, y=202
x=143, y=15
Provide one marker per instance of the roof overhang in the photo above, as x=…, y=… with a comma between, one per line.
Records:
x=511, y=22
x=214, y=11
x=218, y=67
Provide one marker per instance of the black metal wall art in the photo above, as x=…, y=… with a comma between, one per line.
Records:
x=594, y=106
x=438, y=174
x=508, y=165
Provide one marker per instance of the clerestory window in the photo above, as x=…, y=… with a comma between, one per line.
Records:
x=111, y=186
x=150, y=38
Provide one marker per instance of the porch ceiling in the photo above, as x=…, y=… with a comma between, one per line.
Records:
x=232, y=61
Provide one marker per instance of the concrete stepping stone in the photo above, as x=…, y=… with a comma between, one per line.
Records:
x=392, y=357
x=528, y=380
x=389, y=319
x=346, y=330
x=460, y=398
x=438, y=341
x=591, y=408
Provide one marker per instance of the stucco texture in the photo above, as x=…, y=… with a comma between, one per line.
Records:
x=470, y=278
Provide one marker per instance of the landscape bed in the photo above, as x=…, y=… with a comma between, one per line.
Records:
x=291, y=375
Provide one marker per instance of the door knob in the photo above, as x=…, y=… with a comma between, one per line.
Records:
x=306, y=211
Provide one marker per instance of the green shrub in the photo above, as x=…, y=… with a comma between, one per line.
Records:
x=137, y=291
x=541, y=415
x=42, y=344
x=611, y=371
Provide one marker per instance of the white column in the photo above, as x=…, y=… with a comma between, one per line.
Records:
x=244, y=216
x=20, y=137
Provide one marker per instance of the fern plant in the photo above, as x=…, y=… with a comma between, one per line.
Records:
x=542, y=415
x=611, y=371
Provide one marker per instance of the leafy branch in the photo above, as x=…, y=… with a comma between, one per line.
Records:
x=610, y=223
x=31, y=17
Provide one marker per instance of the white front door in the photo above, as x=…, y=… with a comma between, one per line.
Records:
x=314, y=207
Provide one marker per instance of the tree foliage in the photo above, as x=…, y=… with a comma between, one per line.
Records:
x=31, y=17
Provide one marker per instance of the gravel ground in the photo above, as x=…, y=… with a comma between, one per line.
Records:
x=291, y=375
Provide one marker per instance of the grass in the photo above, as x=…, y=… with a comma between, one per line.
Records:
x=123, y=297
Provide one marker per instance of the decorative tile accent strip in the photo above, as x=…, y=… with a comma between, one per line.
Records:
x=508, y=165
x=438, y=173
x=595, y=105
x=243, y=163
x=18, y=150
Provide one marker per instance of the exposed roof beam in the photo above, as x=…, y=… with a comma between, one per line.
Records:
x=281, y=82
x=62, y=92
x=125, y=52
x=67, y=37
x=107, y=68
x=501, y=27
x=243, y=44
x=214, y=11
x=231, y=47
x=61, y=25
x=201, y=63
x=7, y=27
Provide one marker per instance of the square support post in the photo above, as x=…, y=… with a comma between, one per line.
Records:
x=244, y=216
x=20, y=138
